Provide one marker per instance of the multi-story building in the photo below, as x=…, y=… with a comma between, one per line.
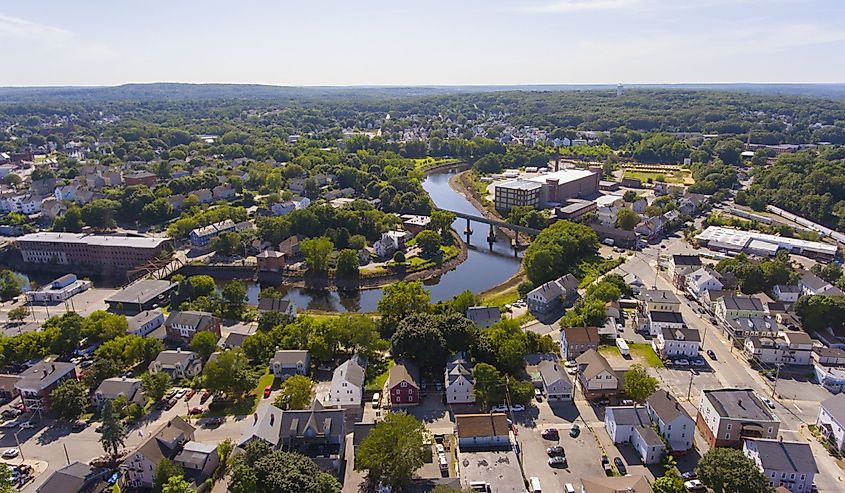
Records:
x=402, y=385
x=555, y=381
x=677, y=343
x=831, y=420
x=575, y=341
x=738, y=329
x=201, y=237
x=35, y=384
x=145, y=322
x=787, y=348
x=347, y=386
x=672, y=420
x=787, y=464
x=727, y=416
x=681, y=266
x=105, y=252
x=596, y=377
x=140, y=178
x=112, y=388
x=561, y=291
x=459, y=380
x=517, y=193
x=631, y=424
x=659, y=321
x=59, y=290
x=660, y=300
x=701, y=281
x=732, y=307
x=177, y=363
x=289, y=362
x=138, y=470
x=181, y=327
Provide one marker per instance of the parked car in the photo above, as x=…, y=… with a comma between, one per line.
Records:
x=27, y=425
x=11, y=413
x=10, y=453
x=555, y=450
x=769, y=403
x=499, y=408
x=575, y=431
x=190, y=393
x=205, y=395
x=172, y=402
x=216, y=421
x=682, y=362
x=169, y=395
x=196, y=410
x=557, y=462
x=550, y=434
x=604, y=401
x=698, y=362
x=78, y=425
x=181, y=393
x=538, y=395
x=267, y=391
x=711, y=354
x=517, y=408
x=693, y=485
x=620, y=466
x=605, y=463
x=689, y=475
x=570, y=364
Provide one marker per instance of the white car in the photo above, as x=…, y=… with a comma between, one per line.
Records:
x=501, y=408
x=27, y=424
x=10, y=453
x=517, y=408
x=694, y=485
x=181, y=393
x=681, y=362
x=570, y=364
x=440, y=449
x=572, y=371
x=769, y=403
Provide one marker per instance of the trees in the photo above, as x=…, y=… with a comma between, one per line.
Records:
x=317, y=252
x=204, y=343
x=399, y=300
x=627, y=219
x=229, y=373
x=234, y=295
x=629, y=196
x=441, y=222
x=263, y=471
x=557, y=250
x=489, y=385
x=669, y=483
x=6, y=485
x=200, y=286
x=820, y=312
x=420, y=341
x=347, y=264
x=504, y=346
x=429, y=242
x=639, y=384
x=243, y=479
x=155, y=385
x=754, y=277
x=177, y=484
x=18, y=313
x=226, y=244
x=10, y=284
x=100, y=213
x=113, y=432
x=726, y=470
x=69, y=400
x=295, y=393
x=392, y=451
x=165, y=471
x=101, y=326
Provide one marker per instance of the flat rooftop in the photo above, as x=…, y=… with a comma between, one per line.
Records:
x=562, y=176
x=141, y=292
x=741, y=239
x=499, y=469
x=739, y=404
x=93, y=240
x=520, y=184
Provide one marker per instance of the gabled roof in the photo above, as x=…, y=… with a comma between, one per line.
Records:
x=616, y=484
x=552, y=373
x=629, y=415
x=352, y=371
x=778, y=455
x=686, y=335
x=312, y=422
x=581, y=335
x=481, y=425
x=193, y=319
x=595, y=364
x=119, y=385
x=157, y=444
x=403, y=371
x=747, y=303
x=273, y=305
x=484, y=314
x=44, y=374
x=69, y=479
x=289, y=357
x=457, y=366
x=659, y=296
x=739, y=404
x=266, y=424
x=835, y=407
x=665, y=406
x=690, y=260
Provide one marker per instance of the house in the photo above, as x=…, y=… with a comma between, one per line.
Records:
x=140, y=178
x=677, y=343
x=672, y=421
x=812, y=284
x=347, y=384
x=317, y=432
x=831, y=420
x=555, y=381
x=270, y=261
x=177, y=363
x=631, y=424
x=198, y=460
x=788, y=347
x=634, y=282
x=182, y=326
x=265, y=425
x=290, y=246
x=35, y=384
x=489, y=431
x=691, y=203
x=616, y=484
x=484, y=316
x=223, y=192
x=651, y=227
x=201, y=237
x=606, y=215
x=72, y=478
x=403, y=384
x=233, y=339
x=660, y=300
x=138, y=469
x=787, y=464
x=112, y=388
x=145, y=322
x=547, y=296
x=681, y=266
x=702, y=280
x=740, y=328
x=277, y=305
x=732, y=307
x=575, y=341
x=459, y=380
x=596, y=377
x=787, y=293
x=145, y=294
x=391, y=242
x=829, y=367
x=727, y=416
x=659, y=321
x=288, y=362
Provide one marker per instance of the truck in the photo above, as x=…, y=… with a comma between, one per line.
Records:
x=623, y=346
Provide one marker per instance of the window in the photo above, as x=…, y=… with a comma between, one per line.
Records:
x=729, y=426
x=727, y=436
x=404, y=384
x=770, y=430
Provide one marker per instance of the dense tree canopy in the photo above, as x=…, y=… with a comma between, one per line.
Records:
x=557, y=250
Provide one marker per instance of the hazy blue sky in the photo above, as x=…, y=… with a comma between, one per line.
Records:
x=398, y=42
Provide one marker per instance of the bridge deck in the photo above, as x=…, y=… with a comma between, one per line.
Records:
x=494, y=222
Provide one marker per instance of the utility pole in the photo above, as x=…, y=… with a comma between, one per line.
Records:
x=67, y=457
x=689, y=389
x=777, y=376
x=20, y=450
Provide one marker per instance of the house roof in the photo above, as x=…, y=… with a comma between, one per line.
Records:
x=629, y=415
x=549, y=290
x=142, y=318
x=290, y=357
x=273, y=304
x=835, y=407
x=352, y=371
x=484, y=314
x=665, y=406
x=403, y=371
x=787, y=288
x=193, y=319
x=119, y=385
x=659, y=296
x=687, y=335
x=195, y=454
x=481, y=425
x=142, y=291
x=156, y=446
x=596, y=363
x=739, y=404
x=616, y=484
x=266, y=424
x=44, y=374
x=69, y=479
x=747, y=303
x=691, y=260
x=649, y=436
x=779, y=455
x=754, y=324
x=458, y=366
x=581, y=335
x=813, y=282
x=233, y=339
x=552, y=373
x=666, y=317
x=312, y=422
x=169, y=357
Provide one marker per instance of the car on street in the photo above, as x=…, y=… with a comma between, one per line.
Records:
x=267, y=391
x=688, y=475
x=555, y=450
x=440, y=449
x=620, y=466
x=550, y=434
x=27, y=425
x=500, y=408
x=196, y=410
x=698, y=362
x=605, y=463
x=711, y=354
x=538, y=395
x=681, y=362
x=172, y=402
x=771, y=376
x=769, y=403
x=78, y=425
x=604, y=401
x=169, y=395
x=205, y=395
x=10, y=413
x=557, y=462
x=572, y=371
x=575, y=431
x=693, y=485
x=10, y=453
x=517, y=408
x=570, y=364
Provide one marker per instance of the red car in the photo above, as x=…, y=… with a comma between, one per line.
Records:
x=267, y=391
x=189, y=394
x=205, y=395
x=196, y=410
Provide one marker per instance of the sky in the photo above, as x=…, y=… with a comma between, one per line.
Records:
x=423, y=42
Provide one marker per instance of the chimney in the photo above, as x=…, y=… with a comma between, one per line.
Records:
x=272, y=419
x=739, y=403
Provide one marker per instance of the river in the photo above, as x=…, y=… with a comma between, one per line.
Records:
x=480, y=271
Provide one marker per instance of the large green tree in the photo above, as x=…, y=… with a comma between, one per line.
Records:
x=166, y=470
x=392, y=451
x=429, y=243
x=317, y=252
x=230, y=373
x=557, y=250
x=204, y=343
x=399, y=300
x=295, y=392
x=113, y=432
x=69, y=400
x=627, y=219
x=489, y=387
x=727, y=470
x=639, y=384
x=155, y=385
x=347, y=264
x=420, y=341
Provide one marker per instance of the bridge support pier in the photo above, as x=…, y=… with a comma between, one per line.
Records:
x=491, y=237
x=468, y=231
x=515, y=244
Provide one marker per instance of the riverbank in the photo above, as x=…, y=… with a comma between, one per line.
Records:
x=461, y=185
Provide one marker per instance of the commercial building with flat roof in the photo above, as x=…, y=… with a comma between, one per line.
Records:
x=141, y=295
x=727, y=416
x=735, y=240
x=517, y=193
x=105, y=252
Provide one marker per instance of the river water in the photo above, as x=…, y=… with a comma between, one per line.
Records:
x=481, y=270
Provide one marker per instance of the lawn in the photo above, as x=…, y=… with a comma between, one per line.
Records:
x=646, y=354
x=246, y=405
x=668, y=176
x=504, y=293
x=377, y=384
x=596, y=266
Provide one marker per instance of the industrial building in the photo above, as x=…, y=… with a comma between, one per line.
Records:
x=549, y=188
x=106, y=252
x=734, y=240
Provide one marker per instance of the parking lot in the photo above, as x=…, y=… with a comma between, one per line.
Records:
x=582, y=454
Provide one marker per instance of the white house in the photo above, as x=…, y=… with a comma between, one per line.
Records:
x=787, y=293
x=556, y=383
x=831, y=420
x=145, y=322
x=459, y=381
x=289, y=362
x=177, y=363
x=596, y=377
x=631, y=424
x=677, y=343
x=347, y=385
x=138, y=469
x=546, y=296
x=787, y=464
x=112, y=388
x=659, y=321
x=672, y=421
x=788, y=347
x=701, y=281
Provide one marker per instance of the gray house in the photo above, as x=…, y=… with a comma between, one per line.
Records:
x=556, y=383
x=288, y=362
x=787, y=464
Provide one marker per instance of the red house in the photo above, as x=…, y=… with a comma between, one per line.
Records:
x=140, y=178
x=403, y=385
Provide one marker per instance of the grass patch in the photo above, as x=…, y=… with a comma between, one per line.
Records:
x=377, y=384
x=668, y=176
x=646, y=353
x=246, y=405
x=504, y=293
x=594, y=267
